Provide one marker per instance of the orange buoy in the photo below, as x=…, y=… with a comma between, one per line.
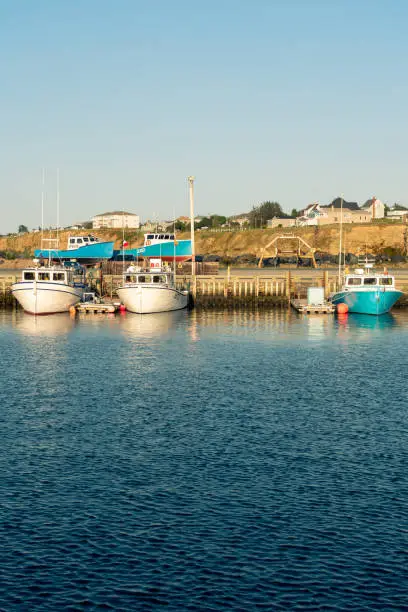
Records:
x=342, y=308
x=72, y=311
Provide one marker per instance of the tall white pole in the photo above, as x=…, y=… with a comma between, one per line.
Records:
x=341, y=237
x=191, y=190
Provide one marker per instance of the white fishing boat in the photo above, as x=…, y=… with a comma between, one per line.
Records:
x=148, y=292
x=49, y=289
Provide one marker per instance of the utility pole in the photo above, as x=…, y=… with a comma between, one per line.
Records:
x=191, y=191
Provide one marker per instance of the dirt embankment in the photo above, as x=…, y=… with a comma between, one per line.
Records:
x=373, y=238
x=370, y=238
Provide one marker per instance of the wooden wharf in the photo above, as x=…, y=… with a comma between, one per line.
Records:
x=230, y=290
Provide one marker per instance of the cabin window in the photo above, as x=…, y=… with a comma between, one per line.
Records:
x=79, y=240
x=171, y=236
x=72, y=241
x=43, y=276
x=370, y=281
x=86, y=239
x=58, y=276
x=386, y=281
x=150, y=236
x=167, y=237
x=29, y=276
x=145, y=279
x=158, y=279
x=354, y=281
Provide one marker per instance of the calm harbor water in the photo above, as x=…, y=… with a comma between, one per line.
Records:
x=204, y=461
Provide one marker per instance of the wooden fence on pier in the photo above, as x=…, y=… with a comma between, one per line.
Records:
x=230, y=290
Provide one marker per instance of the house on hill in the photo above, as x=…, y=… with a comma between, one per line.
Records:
x=319, y=214
x=376, y=207
x=116, y=220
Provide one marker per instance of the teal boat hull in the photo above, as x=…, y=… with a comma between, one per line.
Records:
x=373, y=302
x=90, y=253
x=164, y=250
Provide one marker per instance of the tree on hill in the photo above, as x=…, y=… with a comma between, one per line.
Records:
x=205, y=222
x=267, y=210
x=22, y=229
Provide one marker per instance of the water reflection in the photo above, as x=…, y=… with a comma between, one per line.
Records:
x=278, y=324
x=151, y=325
x=48, y=325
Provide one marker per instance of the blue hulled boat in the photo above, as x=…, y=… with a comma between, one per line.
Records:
x=367, y=292
x=179, y=250
x=85, y=249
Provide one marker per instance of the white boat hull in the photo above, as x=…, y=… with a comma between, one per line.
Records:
x=46, y=297
x=150, y=298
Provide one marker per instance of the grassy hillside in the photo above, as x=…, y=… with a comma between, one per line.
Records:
x=391, y=238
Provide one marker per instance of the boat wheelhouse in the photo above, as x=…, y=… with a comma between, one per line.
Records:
x=150, y=239
x=367, y=292
x=76, y=242
x=49, y=289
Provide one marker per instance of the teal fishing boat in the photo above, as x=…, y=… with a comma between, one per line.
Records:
x=367, y=292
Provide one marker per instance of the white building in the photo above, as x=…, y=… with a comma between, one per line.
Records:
x=116, y=220
x=397, y=214
x=376, y=207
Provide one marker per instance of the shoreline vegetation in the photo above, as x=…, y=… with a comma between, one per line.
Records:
x=388, y=242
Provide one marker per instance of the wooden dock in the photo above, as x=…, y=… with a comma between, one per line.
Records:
x=304, y=308
x=229, y=290
x=95, y=308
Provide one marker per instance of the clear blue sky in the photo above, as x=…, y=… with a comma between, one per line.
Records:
x=287, y=100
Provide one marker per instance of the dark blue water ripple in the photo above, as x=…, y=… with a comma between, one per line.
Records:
x=214, y=461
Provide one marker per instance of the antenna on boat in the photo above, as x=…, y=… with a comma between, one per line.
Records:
x=191, y=190
x=42, y=206
x=341, y=236
x=58, y=205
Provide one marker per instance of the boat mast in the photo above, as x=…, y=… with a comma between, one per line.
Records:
x=191, y=190
x=123, y=243
x=341, y=237
x=174, y=248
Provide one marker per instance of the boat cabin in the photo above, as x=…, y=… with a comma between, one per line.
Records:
x=72, y=275
x=355, y=281
x=157, y=238
x=147, y=279
x=47, y=275
x=75, y=242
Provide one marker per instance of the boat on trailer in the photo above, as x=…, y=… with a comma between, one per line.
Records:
x=85, y=249
x=367, y=292
x=49, y=289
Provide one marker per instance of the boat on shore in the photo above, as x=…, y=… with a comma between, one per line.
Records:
x=367, y=292
x=85, y=249
x=49, y=289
